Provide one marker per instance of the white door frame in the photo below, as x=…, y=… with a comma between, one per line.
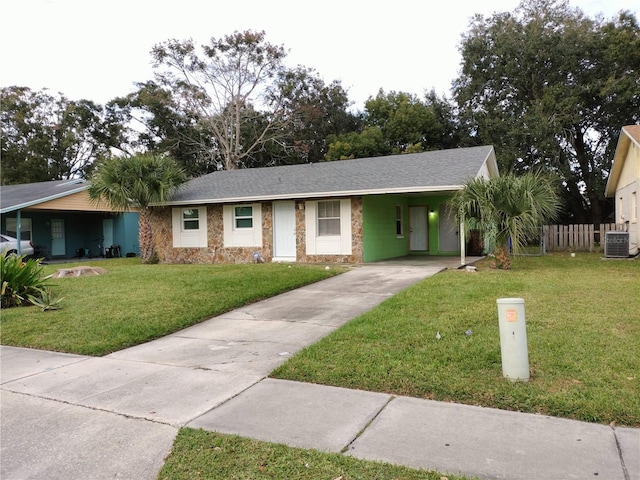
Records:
x=284, y=231
x=418, y=228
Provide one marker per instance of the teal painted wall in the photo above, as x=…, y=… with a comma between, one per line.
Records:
x=125, y=233
x=379, y=226
x=82, y=230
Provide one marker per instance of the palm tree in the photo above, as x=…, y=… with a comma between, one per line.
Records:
x=507, y=209
x=138, y=182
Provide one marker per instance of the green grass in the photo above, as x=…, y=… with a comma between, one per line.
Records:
x=583, y=331
x=134, y=303
x=583, y=328
x=201, y=454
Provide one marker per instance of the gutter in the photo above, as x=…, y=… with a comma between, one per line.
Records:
x=304, y=195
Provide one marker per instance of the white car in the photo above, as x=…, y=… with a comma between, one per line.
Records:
x=9, y=245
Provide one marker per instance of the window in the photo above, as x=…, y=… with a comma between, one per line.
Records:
x=328, y=227
x=190, y=219
x=25, y=228
x=634, y=207
x=329, y=218
x=242, y=225
x=399, y=226
x=243, y=217
x=189, y=227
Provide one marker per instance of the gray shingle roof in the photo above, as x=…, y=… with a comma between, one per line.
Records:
x=15, y=197
x=442, y=170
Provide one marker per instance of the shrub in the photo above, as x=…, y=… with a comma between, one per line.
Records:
x=21, y=280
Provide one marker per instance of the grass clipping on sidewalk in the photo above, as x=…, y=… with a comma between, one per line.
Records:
x=583, y=331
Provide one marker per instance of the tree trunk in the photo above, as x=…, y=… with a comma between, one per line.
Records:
x=502, y=259
x=145, y=237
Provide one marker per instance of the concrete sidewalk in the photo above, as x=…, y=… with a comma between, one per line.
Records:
x=444, y=437
x=77, y=417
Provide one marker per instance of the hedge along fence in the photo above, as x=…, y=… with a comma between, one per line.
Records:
x=577, y=238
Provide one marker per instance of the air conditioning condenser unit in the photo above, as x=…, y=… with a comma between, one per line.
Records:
x=616, y=244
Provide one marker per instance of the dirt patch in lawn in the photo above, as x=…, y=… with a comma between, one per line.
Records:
x=82, y=271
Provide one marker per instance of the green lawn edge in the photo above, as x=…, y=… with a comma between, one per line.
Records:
x=583, y=331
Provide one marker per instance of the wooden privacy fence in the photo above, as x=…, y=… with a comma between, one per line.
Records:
x=576, y=238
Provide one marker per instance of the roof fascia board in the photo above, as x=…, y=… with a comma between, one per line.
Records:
x=491, y=163
x=298, y=196
x=622, y=147
x=43, y=200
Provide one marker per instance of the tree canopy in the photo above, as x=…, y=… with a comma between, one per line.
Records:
x=398, y=122
x=225, y=85
x=49, y=137
x=550, y=88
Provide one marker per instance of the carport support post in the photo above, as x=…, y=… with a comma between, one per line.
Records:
x=19, y=231
x=463, y=260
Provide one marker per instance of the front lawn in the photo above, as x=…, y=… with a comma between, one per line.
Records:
x=583, y=329
x=134, y=303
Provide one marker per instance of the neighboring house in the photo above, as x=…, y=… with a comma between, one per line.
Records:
x=623, y=184
x=61, y=222
x=348, y=211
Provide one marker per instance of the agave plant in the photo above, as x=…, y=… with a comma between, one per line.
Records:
x=46, y=301
x=21, y=279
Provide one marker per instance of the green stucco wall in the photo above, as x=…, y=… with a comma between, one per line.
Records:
x=379, y=226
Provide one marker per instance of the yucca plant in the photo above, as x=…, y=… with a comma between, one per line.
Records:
x=20, y=279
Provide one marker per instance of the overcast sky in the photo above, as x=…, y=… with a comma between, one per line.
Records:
x=97, y=49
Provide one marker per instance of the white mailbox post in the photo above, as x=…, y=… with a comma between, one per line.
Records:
x=513, y=339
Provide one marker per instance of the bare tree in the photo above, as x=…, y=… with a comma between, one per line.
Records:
x=230, y=86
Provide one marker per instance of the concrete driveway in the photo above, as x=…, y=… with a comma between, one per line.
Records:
x=77, y=417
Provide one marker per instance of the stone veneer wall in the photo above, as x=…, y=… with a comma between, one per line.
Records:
x=356, y=237
x=216, y=253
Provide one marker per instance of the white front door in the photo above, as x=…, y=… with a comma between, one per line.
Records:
x=418, y=228
x=448, y=230
x=284, y=231
x=58, y=245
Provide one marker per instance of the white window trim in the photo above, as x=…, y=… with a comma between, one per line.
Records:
x=401, y=220
x=189, y=238
x=242, y=237
x=238, y=217
x=328, y=244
